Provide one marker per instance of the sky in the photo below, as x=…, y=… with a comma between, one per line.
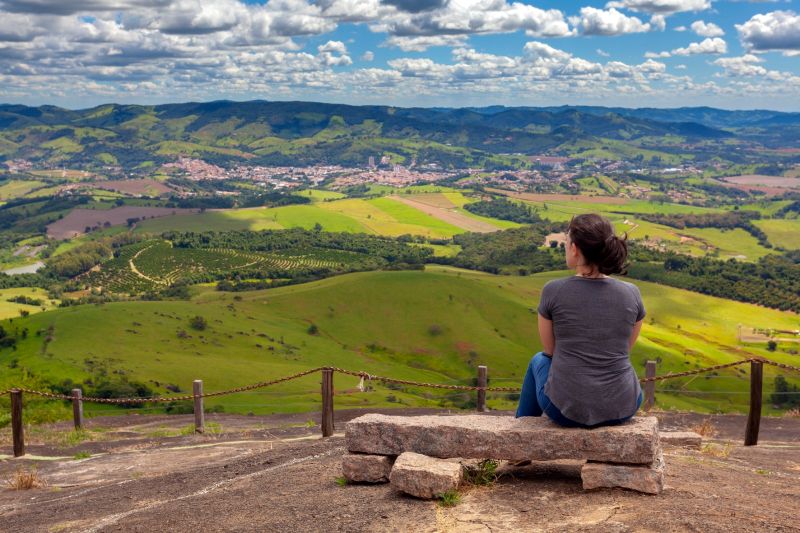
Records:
x=732, y=54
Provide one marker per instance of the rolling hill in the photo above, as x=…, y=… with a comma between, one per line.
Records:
x=299, y=133
x=435, y=325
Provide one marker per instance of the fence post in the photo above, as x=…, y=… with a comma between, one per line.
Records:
x=649, y=386
x=754, y=416
x=327, y=402
x=482, y=381
x=77, y=408
x=199, y=416
x=17, y=431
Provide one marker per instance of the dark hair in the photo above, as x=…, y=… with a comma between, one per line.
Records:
x=594, y=236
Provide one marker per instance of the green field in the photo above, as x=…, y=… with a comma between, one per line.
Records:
x=12, y=309
x=380, y=216
x=18, y=188
x=436, y=325
x=785, y=233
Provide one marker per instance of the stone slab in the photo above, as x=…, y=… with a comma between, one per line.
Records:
x=641, y=478
x=502, y=437
x=423, y=476
x=687, y=439
x=361, y=468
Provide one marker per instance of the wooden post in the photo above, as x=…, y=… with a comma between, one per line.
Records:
x=754, y=416
x=17, y=430
x=77, y=408
x=482, y=381
x=649, y=386
x=199, y=416
x=327, y=402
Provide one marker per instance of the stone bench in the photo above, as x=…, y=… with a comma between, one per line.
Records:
x=627, y=455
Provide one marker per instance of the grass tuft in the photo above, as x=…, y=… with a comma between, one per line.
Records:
x=341, y=481
x=25, y=479
x=484, y=473
x=81, y=455
x=706, y=429
x=451, y=498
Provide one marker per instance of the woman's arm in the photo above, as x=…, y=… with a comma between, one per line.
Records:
x=634, y=335
x=546, y=335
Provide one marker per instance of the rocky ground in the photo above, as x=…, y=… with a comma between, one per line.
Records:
x=146, y=473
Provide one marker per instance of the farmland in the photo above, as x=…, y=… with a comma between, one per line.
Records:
x=391, y=216
x=76, y=222
x=434, y=325
x=150, y=265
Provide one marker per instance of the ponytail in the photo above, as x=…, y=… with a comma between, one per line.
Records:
x=594, y=236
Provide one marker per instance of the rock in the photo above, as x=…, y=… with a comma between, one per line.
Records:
x=423, y=476
x=361, y=468
x=642, y=478
x=502, y=437
x=688, y=439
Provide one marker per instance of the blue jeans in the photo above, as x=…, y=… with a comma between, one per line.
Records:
x=533, y=401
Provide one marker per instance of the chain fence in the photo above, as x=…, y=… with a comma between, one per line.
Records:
x=364, y=376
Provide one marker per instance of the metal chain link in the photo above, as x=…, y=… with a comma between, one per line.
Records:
x=365, y=375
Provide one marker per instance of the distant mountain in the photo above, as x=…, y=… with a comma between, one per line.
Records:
x=298, y=133
x=707, y=116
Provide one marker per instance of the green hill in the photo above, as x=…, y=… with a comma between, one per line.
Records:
x=436, y=325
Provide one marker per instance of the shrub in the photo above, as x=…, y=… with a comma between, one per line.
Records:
x=198, y=323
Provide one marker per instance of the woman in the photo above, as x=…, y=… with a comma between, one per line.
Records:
x=588, y=323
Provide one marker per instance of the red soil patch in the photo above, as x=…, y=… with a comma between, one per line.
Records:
x=767, y=181
x=75, y=223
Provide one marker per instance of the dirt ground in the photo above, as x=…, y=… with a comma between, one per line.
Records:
x=276, y=474
x=451, y=216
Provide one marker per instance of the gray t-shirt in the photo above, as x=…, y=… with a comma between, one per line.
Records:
x=591, y=379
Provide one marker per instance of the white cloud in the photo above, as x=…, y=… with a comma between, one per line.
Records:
x=778, y=30
x=704, y=29
x=713, y=45
x=469, y=17
x=746, y=65
x=663, y=7
x=368, y=56
x=334, y=53
x=602, y=53
x=593, y=21
x=423, y=42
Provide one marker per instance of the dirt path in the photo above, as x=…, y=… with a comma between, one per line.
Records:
x=136, y=270
x=276, y=474
x=451, y=216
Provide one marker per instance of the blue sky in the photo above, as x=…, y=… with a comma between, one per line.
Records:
x=633, y=53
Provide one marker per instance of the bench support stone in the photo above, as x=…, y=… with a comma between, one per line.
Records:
x=361, y=468
x=641, y=478
x=425, y=477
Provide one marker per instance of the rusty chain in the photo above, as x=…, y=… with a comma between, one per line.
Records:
x=365, y=375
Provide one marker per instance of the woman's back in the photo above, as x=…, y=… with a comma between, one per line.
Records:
x=591, y=379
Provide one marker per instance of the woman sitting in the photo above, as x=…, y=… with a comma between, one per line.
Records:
x=587, y=323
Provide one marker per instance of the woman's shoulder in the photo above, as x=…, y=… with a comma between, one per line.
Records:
x=627, y=285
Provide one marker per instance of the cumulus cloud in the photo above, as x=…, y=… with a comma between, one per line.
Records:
x=593, y=21
x=704, y=29
x=663, y=7
x=334, y=53
x=421, y=43
x=778, y=30
x=368, y=56
x=746, y=65
x=469, y=17
x=713, y=45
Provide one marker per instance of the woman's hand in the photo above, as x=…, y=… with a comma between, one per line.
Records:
x=546, y=335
